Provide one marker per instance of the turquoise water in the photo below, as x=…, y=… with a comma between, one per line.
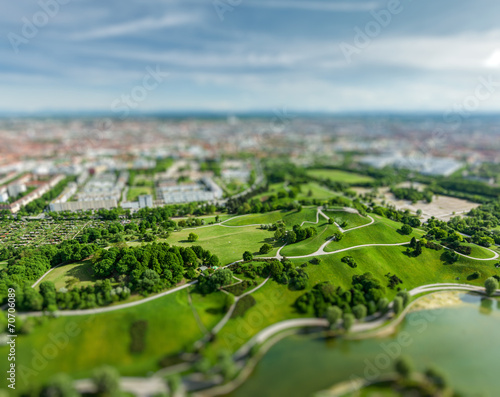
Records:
x=463, y=341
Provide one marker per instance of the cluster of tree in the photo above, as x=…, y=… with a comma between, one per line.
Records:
x=350, y=261
x=416, y=246
x=151, y=267
x=393, y=280
x=31, y=263
x=298, y=233
x=412, y=194
x=366, y=290
x=397, y=215
x=215, y=281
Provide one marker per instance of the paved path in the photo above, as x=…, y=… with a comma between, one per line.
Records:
x=228, y=315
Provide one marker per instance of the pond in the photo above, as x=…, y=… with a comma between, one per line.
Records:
x=462, y=341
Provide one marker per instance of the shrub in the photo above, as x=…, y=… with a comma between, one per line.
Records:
x=491, y=285
x=397, y=305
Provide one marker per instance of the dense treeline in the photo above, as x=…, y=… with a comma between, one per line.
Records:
x=366, y=291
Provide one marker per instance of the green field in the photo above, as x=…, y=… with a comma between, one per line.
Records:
x=339, y=176
x=353, y=220
x=227, y=243
x=480, y=252
x=289, y=217
x=428, y=268
x=135, y=191
x=382, y=231
x=311, y=245
x=86, y=342
x=313, y=190
x=82, y=271
x=273, y=304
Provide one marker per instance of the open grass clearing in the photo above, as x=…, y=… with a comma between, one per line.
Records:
x=339, y=176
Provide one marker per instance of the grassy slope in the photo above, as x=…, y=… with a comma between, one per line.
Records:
x=339, y=176
x=289, y=217
x=274, y=304
x=311, y=245
x=105, y=339
x=353, y=220
x=428, y=268
x=81, y=271
x=210, y=308
x=227, y=243
x=382, y=231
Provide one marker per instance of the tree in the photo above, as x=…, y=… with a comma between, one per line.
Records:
x=221, y=278
x=333, y=315
x=359, y=311
x=192, y=237
x=106, y=380
x=404, y=367
x=247, y=256
x=383, y=304
x=405, y=296
x=266, y=248
x=349, y=320
x=397, y=305
x=491, y=285
x=406, y=230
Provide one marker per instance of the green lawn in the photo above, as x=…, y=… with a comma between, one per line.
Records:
x=210, y=308
x=311, y=245
x=480, y=252
x=273, y=304
x=353, y=220
x=3, y=265
x=227, y=243
x=87, y=342
x=135, y=191
x=382, y=231
x=82, y=271
x=313, y=190
x=339, y=176
x=289, y=217
x=428, y=268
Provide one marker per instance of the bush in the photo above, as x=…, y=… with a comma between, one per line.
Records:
x=359, y=311
x=266, y=248
x=247, y=256
x=404, y=367
x=491, y=285
x=333, y=315
x=350, y=261
x=405, y=296
x=397, y=305
x=349, y=320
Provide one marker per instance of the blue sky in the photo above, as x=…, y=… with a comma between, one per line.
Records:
x=245, y=55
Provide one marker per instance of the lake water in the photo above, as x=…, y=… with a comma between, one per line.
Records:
x=463, y=341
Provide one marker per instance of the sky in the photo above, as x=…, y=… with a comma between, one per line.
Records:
x=249, y=55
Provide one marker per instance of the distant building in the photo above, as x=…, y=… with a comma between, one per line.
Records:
x=16, y=189
x=83, y=205
x=146, y=201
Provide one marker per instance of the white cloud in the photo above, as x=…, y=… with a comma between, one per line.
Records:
x=342, y=6
x=493, y=61
x=126, y=28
